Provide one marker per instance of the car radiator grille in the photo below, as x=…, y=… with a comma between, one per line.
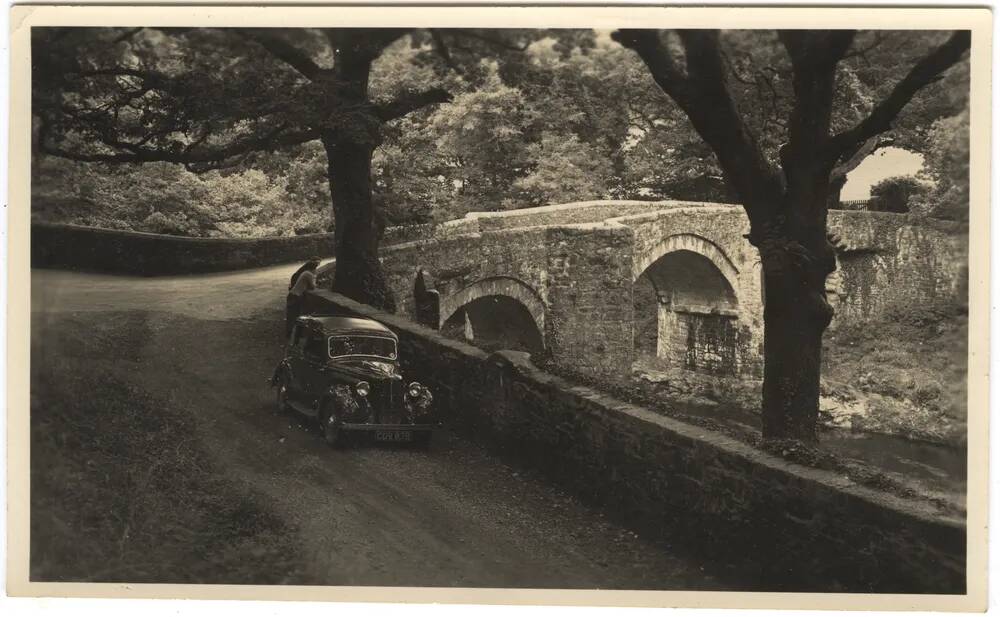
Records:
x=387, y=400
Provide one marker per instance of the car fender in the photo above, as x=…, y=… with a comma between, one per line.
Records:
x=284, y=368
x=342, y=398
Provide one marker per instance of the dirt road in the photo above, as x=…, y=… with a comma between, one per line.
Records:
x=451, y=516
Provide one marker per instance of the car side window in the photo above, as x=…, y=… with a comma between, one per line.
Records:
x=315, y=349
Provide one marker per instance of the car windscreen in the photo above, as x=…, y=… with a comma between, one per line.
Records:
x=378, y=346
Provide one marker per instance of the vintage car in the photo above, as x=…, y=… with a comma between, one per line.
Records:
x=343, y=372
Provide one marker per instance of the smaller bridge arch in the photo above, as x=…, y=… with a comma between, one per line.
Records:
x=500, y=308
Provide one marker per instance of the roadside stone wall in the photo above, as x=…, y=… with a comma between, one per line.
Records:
x=75, y=247
x=780, y=526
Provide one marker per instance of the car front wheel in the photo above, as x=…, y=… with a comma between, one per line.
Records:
x=330, y=427
x=282, y=394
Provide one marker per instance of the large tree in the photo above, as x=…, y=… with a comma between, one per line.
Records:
x=785, y=197
x=213, y=98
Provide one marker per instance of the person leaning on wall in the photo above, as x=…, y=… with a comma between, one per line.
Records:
x=302, y=281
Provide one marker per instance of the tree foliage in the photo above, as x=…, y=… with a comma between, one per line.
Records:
x=946, y=166
x=894, y=194
x=537, y=117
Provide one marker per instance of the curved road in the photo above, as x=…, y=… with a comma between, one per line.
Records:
x=451, y=516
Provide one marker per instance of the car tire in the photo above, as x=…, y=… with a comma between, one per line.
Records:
x=282, y=393
x=329, y=427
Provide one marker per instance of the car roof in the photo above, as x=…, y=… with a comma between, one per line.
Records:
x=336, y=324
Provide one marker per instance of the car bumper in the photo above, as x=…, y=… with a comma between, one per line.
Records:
x=359, y=426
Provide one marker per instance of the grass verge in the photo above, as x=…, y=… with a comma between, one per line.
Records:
x=121, y=488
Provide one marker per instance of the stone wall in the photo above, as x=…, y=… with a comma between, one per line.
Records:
x=76, y=247
x=887, y=260
x=781, y=526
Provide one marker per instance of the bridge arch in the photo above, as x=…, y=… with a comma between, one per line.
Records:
x=501, y=311
x=686, y=307
x=692, y=243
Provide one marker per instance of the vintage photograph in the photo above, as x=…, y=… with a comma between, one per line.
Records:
x=602, y=308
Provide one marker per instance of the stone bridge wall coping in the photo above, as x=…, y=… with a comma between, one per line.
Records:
x=720, y=495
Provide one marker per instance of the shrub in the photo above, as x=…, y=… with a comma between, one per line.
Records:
x=894, y=194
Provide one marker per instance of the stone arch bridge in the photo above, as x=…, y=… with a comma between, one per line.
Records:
x=595, y=285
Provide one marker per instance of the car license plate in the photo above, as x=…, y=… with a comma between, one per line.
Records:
x=393, y=435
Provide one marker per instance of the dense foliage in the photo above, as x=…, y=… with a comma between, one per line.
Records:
x=559, y=117
x=946, y=166
x=165, y=198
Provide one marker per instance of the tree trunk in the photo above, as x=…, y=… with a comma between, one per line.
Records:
x=837, y=183
x=357, y=232
x=796, y=314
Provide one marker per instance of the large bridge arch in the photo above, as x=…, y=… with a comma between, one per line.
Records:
x=502, y=310
x=692, y=243
x=686, y=307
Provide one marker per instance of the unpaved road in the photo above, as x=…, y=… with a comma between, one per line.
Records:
x=451, y=516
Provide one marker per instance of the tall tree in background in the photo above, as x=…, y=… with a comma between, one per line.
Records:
x=212, y=98
x=785, y=199
x=946, y=165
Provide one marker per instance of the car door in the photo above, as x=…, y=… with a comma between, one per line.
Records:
x=313, y=365
x=297, y=362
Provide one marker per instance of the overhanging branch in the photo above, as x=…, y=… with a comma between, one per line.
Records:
x=928, y=70
x=194, y=154
x=282, y=50
x=703, y=94
x=411, y=102
x=864, y=150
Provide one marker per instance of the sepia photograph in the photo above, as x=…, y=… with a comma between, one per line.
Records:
x=405, y=301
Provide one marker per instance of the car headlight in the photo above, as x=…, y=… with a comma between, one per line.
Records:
x=414, y=390
x=362, y=388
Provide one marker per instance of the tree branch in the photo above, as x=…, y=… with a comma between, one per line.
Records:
x=441, y=49
x=282, y=50
x=411, y=102
x=703, y=95
x=492, y=41
x=864, y=150
x=657, y=58
x=128, y=152
x=362, y=43
x=126, y=35
x=928, y=70
x=814, y=56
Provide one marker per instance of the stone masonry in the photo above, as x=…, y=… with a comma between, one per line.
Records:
x=573, y=268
